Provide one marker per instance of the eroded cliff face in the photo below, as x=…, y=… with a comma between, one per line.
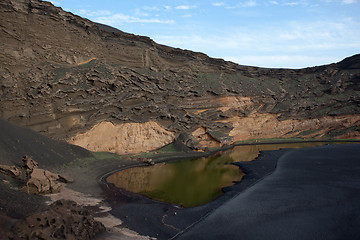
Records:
x=260, y=125
x=66, y=77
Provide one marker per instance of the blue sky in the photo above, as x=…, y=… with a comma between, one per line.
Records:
x=268, y=33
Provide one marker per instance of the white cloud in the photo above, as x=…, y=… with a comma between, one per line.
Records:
x=184, y=7
x=250, y=3
x=290, y=61
x=349, y=1
x=292, y=3
x=119, y=19
x=274, y=2
x=140, y=13
x=295, y=3
x=246, y=45
x=56, y=3
x=88, y=13
x=187, y=16
x=153, y=8
x=311, y=43
x=218, y=4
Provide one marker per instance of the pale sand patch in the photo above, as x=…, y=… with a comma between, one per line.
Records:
x=78, y=197
x=124, y=138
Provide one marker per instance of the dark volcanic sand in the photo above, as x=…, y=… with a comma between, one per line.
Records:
x=314, y=193
x=163, y=220
x=15, y=142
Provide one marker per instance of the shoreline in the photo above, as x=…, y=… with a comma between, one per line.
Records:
x=184, y=155
x=131, y=201
x=301, y=199
x=120, y=210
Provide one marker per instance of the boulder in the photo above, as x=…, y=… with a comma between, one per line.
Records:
x=37, y=180
x=10, y=170
x=63, y=220
x=42, y=181
x=29, y=164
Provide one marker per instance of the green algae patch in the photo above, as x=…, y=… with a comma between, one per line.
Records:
x=188, y=183
x=194, y=182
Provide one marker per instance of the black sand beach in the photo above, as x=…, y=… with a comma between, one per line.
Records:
x=314, y=193
x=322, y=178
x=164, y=220
x=309, y=193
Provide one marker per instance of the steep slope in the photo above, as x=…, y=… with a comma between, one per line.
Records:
x=65, y=76
x=16, y=142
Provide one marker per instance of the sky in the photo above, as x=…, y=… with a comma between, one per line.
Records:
x=268, y=33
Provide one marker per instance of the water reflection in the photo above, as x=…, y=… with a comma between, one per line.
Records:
x=188, y=182
x=192, y=182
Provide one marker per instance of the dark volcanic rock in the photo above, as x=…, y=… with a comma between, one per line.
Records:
x=186, y=143
x=34, y=179
x=16, y=142
x=63, y=220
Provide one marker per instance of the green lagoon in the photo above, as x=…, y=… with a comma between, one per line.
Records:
x=193, y=182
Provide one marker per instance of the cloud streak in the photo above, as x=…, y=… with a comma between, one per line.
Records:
x=274, y=61
x=218, y=4
x=184, y=7
x=296, y=38
x=88, y=13
x=119, y=19
x=250, y=28
x=349, y=1
x=249, y=3
x=56, y=3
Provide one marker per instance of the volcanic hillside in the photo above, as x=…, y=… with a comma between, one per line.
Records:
x=98, y=87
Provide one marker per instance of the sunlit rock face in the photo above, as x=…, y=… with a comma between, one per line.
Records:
x=62, y=75
x=124, y=138
x=260, y=125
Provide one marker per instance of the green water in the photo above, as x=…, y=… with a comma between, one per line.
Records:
x=192, y=182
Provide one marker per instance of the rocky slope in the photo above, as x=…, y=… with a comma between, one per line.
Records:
x=70, y=78
x=16, y=203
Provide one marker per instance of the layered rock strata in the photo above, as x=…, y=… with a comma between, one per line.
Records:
x=65, y=76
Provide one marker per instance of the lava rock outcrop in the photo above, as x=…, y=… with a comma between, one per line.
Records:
x=63, y=220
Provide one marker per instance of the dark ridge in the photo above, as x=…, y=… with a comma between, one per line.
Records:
x=352, y=62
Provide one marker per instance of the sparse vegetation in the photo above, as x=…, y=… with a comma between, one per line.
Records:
x=209, y=79
x=59, y=74
x=167, y=149
x=97, y=156
x=308, y=132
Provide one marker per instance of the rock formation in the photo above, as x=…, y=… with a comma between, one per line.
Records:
x=124, y=138
x=10, y=170
x=65, y=76
x=36, y=180
x=63, y=220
